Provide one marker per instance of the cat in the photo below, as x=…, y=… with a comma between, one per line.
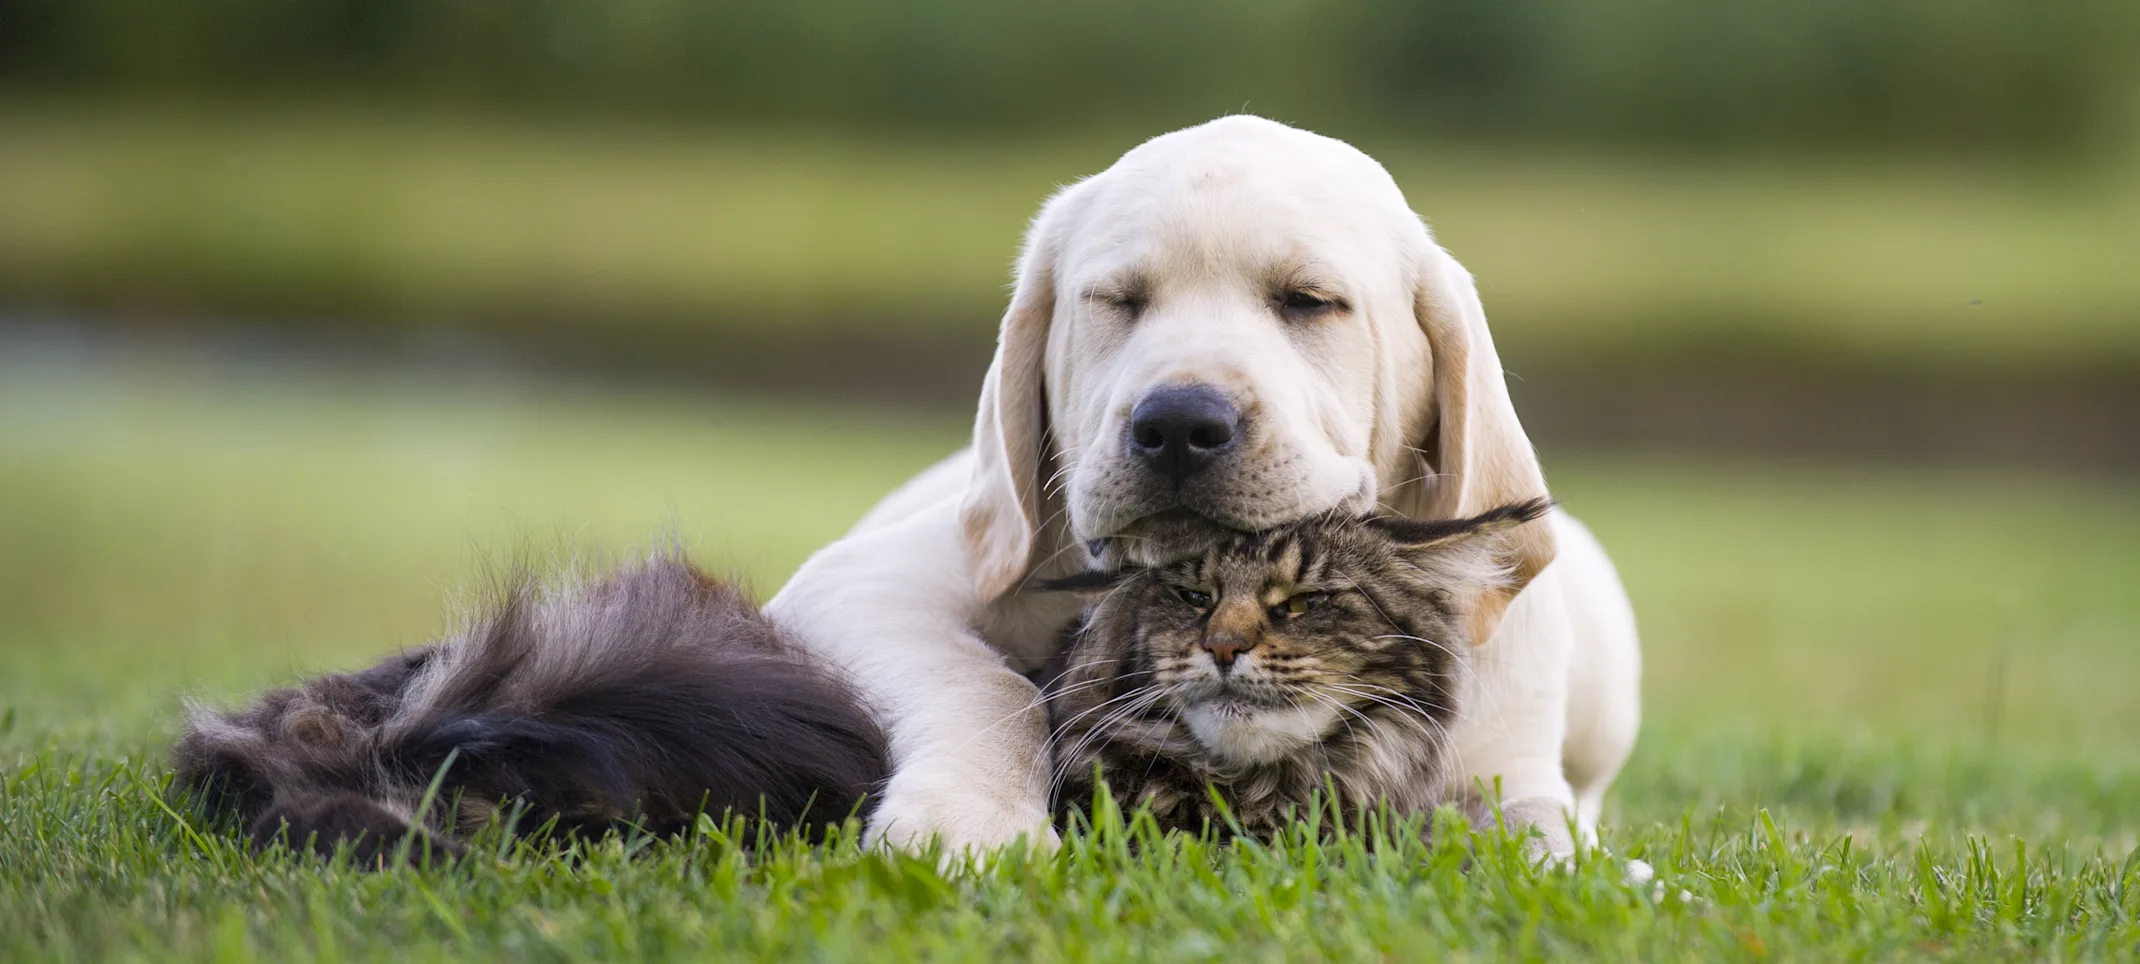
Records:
x=638, y=700
x=1324, y=653
x=1328, y=653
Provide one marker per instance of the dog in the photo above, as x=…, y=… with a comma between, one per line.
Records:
x=1236, y=325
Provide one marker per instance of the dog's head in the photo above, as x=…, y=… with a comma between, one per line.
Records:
x=1236, y=326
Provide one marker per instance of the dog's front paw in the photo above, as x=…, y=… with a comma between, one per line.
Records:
x=962, y=811
x=1543, y=822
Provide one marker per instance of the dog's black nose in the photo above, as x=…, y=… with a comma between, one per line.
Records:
x=1180, y=429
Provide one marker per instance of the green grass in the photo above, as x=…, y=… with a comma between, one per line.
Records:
x=681, y=235
x=1889, y=715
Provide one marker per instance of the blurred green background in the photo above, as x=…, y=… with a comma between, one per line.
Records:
x=1951, y=184
x=1827, y=315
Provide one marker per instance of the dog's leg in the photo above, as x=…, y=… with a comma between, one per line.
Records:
x=1513, y=718
x=895, y=606
x=1604, y=670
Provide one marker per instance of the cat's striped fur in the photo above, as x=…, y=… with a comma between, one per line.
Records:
x=1273, y=665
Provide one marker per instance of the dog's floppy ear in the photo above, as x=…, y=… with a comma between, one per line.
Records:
x=1006, y=501
x=1477, y=456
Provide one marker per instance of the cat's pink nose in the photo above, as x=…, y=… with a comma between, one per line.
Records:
x=1224, y=649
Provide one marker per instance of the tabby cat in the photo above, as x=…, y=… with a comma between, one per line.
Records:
x=1327, y=653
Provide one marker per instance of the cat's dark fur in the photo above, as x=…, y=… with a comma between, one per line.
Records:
x=1202, y=675
x=641, y=699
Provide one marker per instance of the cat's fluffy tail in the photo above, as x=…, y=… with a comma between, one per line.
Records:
x=641, y=699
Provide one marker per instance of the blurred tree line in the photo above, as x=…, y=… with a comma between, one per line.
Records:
x=2026, y=74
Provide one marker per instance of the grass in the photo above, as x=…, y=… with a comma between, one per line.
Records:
x=683, y=235
x=1889, y=715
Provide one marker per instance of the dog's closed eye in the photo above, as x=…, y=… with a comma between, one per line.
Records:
x=1305, y=304
x=1128, y=297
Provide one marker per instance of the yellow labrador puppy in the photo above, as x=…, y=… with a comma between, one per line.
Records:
x=1236, y=325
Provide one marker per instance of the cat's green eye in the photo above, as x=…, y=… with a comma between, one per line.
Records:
x=1304, y=602
x=1201, y=600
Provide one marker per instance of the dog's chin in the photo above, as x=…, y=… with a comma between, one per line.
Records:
x=1148, y=526
x=1163, y=537
x=1167, y=535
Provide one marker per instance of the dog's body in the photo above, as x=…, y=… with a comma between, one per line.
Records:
x=1238, y=325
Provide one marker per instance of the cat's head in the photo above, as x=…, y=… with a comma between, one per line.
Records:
x=1270, y=641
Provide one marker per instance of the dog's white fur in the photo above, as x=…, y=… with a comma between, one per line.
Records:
x=1172, y=267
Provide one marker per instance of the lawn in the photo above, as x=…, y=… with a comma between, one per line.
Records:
x=1889, y=715
x=684, y=235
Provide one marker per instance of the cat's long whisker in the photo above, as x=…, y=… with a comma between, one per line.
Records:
x=1342, y=711
x=1078, y=669
x=1152, y=763
x=1392, y=699
x=1410, y=711
x=1404, y=704
x=1374, y=726
x=1050, y=696
x=1463, y=664
x=1072, y=723
x=1354, y=710
x=1074, y=669
x=1333, y=704
x=1437, y=645
x=1046, y=697
x=1065, y=760
x=1387, y=692
x=1119, y=715
x=1109, y=724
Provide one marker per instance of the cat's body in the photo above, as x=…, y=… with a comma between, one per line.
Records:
x=641, y=700
x=1324, y=654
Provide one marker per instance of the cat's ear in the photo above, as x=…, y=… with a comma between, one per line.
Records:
x=1463, y=556
x=1432, y=533
x=1090, y=583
